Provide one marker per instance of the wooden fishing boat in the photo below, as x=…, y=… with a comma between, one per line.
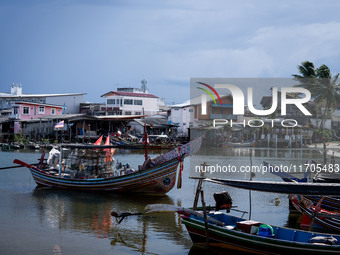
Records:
x=318, y=212
x=220, y=230
x=314, y=216
x=291, y=184
x=328, y=203
x=93, y=170
x=280, y=187
x=251, y=143
x=256, y=237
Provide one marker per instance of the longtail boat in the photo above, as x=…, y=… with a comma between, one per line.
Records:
x=256, y=237
x=318, y=212
x=328, y=203
x=222, y=231
x=314, y=216
x=89, y=168
x=219, y=231
x=251, y=143
x=280, y=187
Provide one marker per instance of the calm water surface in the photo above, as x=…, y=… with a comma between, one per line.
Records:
x=59, y=222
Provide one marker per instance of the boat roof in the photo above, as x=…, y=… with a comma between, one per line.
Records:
x=86, y=146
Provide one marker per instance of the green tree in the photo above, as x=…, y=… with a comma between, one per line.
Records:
x=327, y=91
x=324, y=88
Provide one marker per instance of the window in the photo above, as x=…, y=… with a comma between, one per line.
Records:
x=15, y=110
x=25, y=110
x=111, y=101
x=53, y=111
x=138, y=113
x=191, y=110
x=138, y=102
x=128, y=101
x=127, y=113
x=41, y=109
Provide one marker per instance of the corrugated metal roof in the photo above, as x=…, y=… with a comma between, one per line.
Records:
x=40, y=95
x=130, y=94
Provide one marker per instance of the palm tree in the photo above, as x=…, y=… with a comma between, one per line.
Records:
x=327, y=91
x=324, y=89
x=307, y=79
x=307, y=70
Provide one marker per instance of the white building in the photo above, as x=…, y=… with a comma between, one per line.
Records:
x=182, y=116
x=72, y=101
x=130, y=103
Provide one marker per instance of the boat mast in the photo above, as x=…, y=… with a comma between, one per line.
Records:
x=146, y=142
x=60, y=157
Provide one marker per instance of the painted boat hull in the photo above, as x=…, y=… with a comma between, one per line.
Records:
x=281, y=187
x=235, y=145
x=319, y=222
x=223, y=238
x=159, y=179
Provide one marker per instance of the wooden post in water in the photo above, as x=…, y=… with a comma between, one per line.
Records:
x=205, y=219
x=199, y=187
x=251, y=178
x=146, y=142
x=324, y=151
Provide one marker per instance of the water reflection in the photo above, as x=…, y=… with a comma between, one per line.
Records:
x=90, y=213
x=260, y=152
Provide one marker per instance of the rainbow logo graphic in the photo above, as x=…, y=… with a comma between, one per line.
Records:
x=209, y=93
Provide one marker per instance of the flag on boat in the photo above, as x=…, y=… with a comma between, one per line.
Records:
x=99, y=141
x=59, y=125
x=109, y=152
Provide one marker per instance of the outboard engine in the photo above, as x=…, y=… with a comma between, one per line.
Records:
x=223, y=201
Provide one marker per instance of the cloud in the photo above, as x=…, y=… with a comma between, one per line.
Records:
x=290, y=45
x=88, y=46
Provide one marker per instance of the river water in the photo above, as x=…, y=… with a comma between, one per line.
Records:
x=59, y=222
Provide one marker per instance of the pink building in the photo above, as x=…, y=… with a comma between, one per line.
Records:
x=28, y=110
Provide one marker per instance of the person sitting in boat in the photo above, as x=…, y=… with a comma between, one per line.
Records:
x=80, y=174
x=63, y=166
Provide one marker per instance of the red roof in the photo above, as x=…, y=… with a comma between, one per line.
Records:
x=129, y=94
x=40, y=104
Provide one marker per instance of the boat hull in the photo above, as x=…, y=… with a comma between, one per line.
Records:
x=237, y=145
x=159, y=179
x=309, y=216
x=281, y=187
x=223, y=238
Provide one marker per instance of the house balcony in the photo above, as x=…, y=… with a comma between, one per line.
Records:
x=14, y=116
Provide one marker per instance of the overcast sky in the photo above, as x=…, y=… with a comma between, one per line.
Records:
x=93, y=46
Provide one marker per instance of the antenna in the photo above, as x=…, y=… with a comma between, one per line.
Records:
x=144, y=85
